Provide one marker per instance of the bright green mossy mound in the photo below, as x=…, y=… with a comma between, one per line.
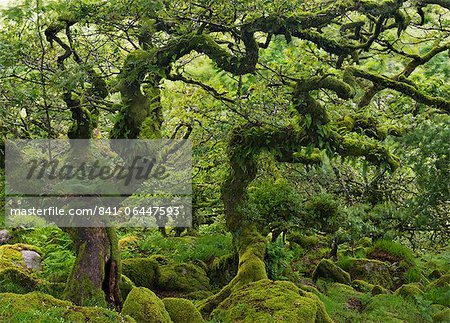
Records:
x=409, y=291
x=372, y=271
x=328, y=270
x=183, y=278
x=15, y=280
x=143, y=272
x=182, y=310
x=40, y=307
x=271, y=301
x=144, y=306
x=10, y=255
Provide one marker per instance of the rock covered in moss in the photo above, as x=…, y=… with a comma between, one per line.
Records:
x=271, y=301
x=32, y=259
x=377, y=290
x=183, y=278
x=362, y=286
x=409, y=291
x=125, y=286
x=15, y=280
x=328, y=270
x=144, y=306
x=11, y=255
x=143, y=272
x=442, y=316
x=182, y=310
x=372, y=271
x=40, y=307
x=438, y=291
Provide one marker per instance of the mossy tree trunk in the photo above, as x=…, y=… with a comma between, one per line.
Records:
x=94, y=279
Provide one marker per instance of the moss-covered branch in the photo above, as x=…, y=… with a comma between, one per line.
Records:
x=405, y=88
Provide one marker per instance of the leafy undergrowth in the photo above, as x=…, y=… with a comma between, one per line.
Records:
x=179, y=249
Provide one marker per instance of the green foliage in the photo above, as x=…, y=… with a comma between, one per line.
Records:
x=57, y=249
x=39, y=307
x=180, y=249
x=278, y=260
x=276, y=203
x=324, y=213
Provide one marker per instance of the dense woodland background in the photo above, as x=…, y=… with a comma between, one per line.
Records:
x=321, y=158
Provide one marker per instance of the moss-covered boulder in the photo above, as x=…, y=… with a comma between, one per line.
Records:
x=377, y=290
x=144, y=306
x=182, y=310
x=125, y=286
x=326, y=269
x=372, y=271
x=362, y=286
x=400, y=258
x=409, y=291
x=183, y=278
x=271, y=301
x=40, y=307
x=438, y=291
x=54, y=289
x=143, y=272
x=16, y=280
x=11, y=255
x=442, y=316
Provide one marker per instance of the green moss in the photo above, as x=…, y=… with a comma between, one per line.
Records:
x=271, y=301
x=10, y=255
x=51, y=288
x=129, y=241
x=144, y=306
x=125, y=286
x=377, y=290
x=80, y=289
x=438, y=291
x=182, y=310
x=362, y=286
x=390, y=251
x=391, y=308
x=183, y=278
x=223, y=269
x=442, y=316
x=198, y=295
x=372, y=271
x=328, y=270
x=143, y=272
x=43, y=308
x=409, y=291
x=15, y=280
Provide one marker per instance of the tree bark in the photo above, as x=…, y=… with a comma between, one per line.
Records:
x=94, y=279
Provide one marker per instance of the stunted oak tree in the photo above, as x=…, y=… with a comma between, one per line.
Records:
x=124, y=51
